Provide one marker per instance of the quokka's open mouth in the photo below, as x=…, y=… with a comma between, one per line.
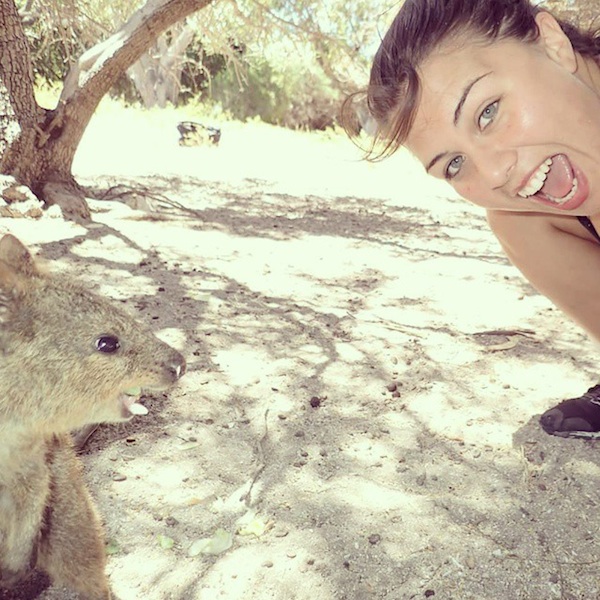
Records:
x=129, y=403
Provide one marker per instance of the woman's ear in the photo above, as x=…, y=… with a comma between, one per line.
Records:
x=555, y=42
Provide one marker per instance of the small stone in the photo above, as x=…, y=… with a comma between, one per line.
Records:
x=13, y=194
x=119, y=477
x=280, y=533
x=392, y=387
x=268, y=564
x=34, y=213
x=374, y=539
x=171, y=521
x=429, y=593
x=315, y=402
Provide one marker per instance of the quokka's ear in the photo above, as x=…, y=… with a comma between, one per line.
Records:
x=17, y=269
x=9, y=291
x=16, y=257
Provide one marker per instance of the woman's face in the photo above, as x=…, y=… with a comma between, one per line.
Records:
x=513, y=125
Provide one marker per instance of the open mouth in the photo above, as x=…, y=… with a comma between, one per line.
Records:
x=554, y=181
x=130, y=406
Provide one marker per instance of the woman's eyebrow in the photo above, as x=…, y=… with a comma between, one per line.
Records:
x=435, y=159
x=457, y=114
x=465, y=94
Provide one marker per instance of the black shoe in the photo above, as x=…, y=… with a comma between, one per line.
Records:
x=576, y=417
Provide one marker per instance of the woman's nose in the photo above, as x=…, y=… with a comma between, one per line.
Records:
x=495, y=165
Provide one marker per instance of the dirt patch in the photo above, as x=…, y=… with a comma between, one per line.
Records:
x=365, y=369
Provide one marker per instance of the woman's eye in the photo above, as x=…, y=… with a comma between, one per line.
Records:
x=454, y=167
x=488, y=115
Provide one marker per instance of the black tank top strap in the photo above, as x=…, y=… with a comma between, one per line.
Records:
x=585, y=221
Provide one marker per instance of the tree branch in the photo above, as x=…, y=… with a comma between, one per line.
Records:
x=99, y=67
x=92, y=76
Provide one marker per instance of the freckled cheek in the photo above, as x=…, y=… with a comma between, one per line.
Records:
x=472, y=192
x=465, y=190
x=523, y=128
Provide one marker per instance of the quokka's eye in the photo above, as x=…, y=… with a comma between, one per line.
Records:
x=108, y=344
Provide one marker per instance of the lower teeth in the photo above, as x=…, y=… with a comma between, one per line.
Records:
x=138, y=409
x=567, y=197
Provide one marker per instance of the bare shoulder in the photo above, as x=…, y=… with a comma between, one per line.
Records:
x=558, y=256
x=532, y=228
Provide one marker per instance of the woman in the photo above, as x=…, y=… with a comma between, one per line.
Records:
x=503, y=101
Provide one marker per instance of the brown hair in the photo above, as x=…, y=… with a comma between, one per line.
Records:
x=421, y=26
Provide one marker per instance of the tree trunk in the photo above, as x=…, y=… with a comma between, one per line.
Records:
x=19, y=113
x=157, y=74
x=37, y=146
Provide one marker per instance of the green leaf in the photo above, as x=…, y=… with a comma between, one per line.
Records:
x=134, y=391
x=166, y=543
x=256, y=527
x=112, y=548
x=220, y=542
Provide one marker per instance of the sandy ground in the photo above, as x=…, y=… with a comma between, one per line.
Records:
x=366, y=370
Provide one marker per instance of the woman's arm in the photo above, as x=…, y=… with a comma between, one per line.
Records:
x=558, y=256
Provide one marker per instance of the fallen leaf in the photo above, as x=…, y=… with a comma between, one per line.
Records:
x=511, y=342
x=112, y=548
x=188, y=446
x=166, y=543
x=220, y=542
x=256, y=527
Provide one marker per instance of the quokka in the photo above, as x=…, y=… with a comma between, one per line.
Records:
x=68, y=358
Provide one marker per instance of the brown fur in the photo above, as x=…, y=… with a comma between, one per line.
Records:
x=53, y=379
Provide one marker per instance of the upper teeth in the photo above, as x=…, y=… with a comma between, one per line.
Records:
x=536, y=181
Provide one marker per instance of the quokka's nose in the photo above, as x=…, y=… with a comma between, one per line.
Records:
x=177, y=366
